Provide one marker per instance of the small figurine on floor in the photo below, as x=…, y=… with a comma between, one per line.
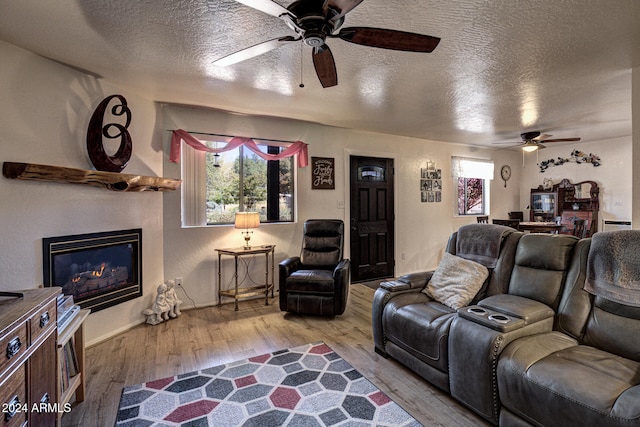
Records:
x=160, y=309
x=172, y=299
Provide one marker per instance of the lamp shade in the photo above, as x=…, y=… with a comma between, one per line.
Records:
x=246, y=220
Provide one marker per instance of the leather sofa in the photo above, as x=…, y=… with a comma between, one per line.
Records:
x=533, y=348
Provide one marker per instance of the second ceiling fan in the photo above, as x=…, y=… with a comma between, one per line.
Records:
x=532, y=141
x=314, y=21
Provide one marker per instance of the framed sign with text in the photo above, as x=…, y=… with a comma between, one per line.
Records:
x=323, y=173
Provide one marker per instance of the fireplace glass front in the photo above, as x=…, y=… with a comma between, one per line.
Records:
x=99, y=269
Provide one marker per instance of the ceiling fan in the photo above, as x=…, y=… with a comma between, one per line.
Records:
x=314, y=21
x=532, y=141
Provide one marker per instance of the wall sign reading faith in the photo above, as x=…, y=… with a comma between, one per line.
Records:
x=323, y=173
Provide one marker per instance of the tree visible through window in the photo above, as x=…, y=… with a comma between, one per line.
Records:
x=216, y=186
x=472, y=179
x=239, y=180
x=470, y=196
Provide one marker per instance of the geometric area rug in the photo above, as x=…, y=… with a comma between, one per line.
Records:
x=306, y=386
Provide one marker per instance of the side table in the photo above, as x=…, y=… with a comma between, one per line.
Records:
x=237, y=293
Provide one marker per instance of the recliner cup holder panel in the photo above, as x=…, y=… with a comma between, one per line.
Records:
x=500, y=318
x=491, y=318
x=477, y=310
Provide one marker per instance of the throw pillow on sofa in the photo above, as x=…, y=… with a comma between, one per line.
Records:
x=456, y=281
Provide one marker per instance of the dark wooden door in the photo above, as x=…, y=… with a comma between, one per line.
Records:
x=372, y=218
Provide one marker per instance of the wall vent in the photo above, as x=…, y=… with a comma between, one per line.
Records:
x=616, y=225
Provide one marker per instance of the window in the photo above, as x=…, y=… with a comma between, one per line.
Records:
x=472, y=176
x=216, y=186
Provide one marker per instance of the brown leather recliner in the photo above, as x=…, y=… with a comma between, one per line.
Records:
x=317, y=281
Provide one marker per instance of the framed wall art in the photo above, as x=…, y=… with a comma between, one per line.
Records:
x=323, y=173
x=430, y=184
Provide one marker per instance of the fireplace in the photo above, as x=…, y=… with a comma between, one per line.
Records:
x=99, y=269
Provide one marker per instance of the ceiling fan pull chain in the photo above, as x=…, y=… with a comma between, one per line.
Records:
x=301, y=83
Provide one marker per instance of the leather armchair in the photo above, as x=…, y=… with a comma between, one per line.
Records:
x=317, y=281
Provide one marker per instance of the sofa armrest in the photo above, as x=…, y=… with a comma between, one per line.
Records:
x=289, y=265
x=386, y=292
x=474, y=350
x=418, y=279
x=341, y=277
x=408, y=282
x=477, y=337
x=341, y=267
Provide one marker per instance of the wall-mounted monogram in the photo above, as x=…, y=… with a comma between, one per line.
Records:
x=98, y=129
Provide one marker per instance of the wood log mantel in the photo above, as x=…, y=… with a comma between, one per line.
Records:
x=109, y=180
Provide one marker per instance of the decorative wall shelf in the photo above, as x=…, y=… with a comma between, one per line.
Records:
x=110, y=180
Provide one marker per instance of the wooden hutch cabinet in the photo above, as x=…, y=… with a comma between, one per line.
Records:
x=568, y=201
x=28, y=324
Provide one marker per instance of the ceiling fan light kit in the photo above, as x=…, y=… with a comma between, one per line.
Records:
x=314, y=21
x=533, y=141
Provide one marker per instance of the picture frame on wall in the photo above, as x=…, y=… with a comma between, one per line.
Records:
x=430, y=184
x=323, y=173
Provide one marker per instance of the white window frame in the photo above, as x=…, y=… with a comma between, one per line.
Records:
x=467, y=167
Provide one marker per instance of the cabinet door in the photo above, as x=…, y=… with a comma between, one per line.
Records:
x=42, y=381
x=543, y=206
x=13, y=399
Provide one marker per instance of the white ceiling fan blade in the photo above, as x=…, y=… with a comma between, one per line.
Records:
x=253, y=51
x=266, y=6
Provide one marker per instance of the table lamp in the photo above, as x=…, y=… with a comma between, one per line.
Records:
x=247, y=220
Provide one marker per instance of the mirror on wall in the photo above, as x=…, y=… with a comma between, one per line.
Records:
x=583, y=190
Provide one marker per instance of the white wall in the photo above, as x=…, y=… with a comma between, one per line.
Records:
x=613, y=176
x=422, y=229
x=635, y=117
x=44, y=113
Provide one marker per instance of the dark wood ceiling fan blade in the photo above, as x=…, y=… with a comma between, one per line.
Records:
x=560, y=140
x=267, y=6
x=325, y=66
x=253, y=51
x=389, y=39
x=342, y=7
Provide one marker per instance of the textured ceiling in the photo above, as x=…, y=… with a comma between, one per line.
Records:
x=505, y=66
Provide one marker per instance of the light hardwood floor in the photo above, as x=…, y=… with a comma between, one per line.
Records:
x=206, y=337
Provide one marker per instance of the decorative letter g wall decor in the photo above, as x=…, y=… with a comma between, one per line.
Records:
x=100, y=159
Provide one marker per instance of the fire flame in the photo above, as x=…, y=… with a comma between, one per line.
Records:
x=98, y=273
